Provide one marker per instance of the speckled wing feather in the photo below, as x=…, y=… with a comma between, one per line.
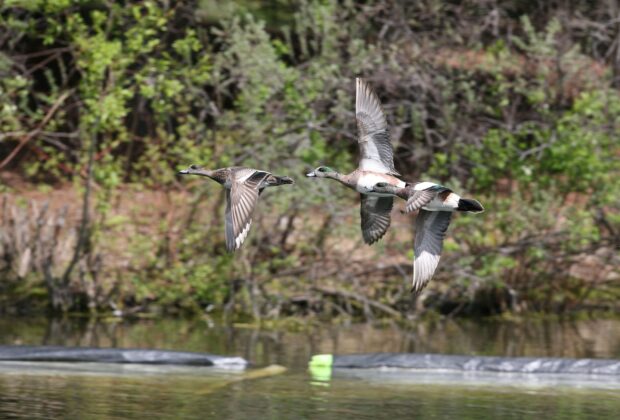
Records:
x=430, y=230
x=373, y=136
x=418, y=200
x=375, y=212
x=240, y=202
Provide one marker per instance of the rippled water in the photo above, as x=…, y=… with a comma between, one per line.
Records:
x=31, y=390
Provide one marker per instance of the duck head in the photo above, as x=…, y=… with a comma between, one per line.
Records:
x=194, y=170
x=321, y=172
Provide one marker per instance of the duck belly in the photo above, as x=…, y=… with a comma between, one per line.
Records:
x=368, y=180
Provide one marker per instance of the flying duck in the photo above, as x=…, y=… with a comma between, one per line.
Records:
x=376, y=164
x=436, y=204
x=243, y=187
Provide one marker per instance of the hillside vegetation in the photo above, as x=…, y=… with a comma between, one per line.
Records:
x=101, y=103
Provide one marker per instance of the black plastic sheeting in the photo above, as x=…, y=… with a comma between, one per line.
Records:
x=113, y=355
x=478, y=363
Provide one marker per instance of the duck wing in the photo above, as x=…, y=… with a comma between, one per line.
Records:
x=430, y=231
x=376, y=150
x=375, y=212
x=240, y=202
x=419, y=199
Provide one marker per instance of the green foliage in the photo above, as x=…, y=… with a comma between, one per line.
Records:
x=570, y=153
x=524, y=119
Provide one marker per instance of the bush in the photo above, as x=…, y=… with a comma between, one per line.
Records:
x=514, y=105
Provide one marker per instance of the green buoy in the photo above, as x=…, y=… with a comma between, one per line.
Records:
x=320, y=367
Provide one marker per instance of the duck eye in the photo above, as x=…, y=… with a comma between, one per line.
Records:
x=381, y=184
x=322, y=170
x=193, y=167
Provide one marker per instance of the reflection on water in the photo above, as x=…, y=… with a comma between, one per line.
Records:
x=105, y=391
x=571, y=338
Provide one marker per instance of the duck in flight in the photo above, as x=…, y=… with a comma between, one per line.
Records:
x=376, y=164
x=436, y=204
x=243, y=187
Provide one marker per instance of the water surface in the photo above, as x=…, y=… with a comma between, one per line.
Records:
x=30, y=390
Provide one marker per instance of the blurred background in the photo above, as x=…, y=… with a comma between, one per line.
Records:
x=514, y=103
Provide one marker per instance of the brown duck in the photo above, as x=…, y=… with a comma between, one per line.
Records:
x=243, y=187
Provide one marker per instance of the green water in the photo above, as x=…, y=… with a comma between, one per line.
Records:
x=30, y=390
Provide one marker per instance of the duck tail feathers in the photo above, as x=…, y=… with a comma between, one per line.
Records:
x=470, y=205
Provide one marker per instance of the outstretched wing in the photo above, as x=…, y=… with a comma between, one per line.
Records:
x=240, y=202
x=375, y=212
x=419, y=199
x=373, y=136
x=430, y=231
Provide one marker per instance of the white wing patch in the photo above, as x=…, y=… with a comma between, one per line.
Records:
x=424, y=185
x=424, y=267
x=452, y=200
x=244, y=233
x=430, y=231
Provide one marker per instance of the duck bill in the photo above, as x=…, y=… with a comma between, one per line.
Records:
x=311, y=174
x=183, y=172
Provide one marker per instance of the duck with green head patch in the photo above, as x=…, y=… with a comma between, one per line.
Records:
x=436, y=204
x=243, y=187
x=376, y=164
